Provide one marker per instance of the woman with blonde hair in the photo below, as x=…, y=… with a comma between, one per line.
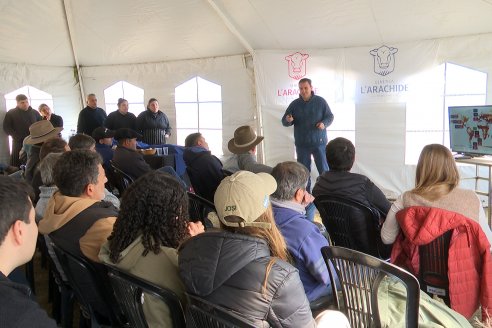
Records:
x=436, y=185
x=244, y=267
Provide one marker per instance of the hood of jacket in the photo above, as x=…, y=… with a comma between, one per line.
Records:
x=208, y=260
x=60, y=210
x=421, y=224
x=191, y=154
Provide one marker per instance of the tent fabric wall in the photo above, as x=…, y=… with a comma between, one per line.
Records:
x=339, y=74
x=159, y=80
x=233, y=73
x=57, y=81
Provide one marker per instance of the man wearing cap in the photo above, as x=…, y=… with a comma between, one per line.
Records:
x=310, y=115
x=243, y=146
x=16, y=124
x=91, y=116
x=39, y=132
x=126, y=157
x=304, y=239
x=244, y=267
x=129, y=160
x=104, y=144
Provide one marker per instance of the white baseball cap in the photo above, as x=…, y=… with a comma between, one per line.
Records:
x=246, y=195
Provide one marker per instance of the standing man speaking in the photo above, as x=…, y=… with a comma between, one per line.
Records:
x=310, y=115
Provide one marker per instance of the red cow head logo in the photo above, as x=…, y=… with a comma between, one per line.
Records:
x=297, y=65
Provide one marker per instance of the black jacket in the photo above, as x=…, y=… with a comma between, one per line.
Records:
x=89, y=119
x=17, y=309
x=204, y=170
x=229, y=269
x=153, y=127
x=353, y=186
x=130, y=161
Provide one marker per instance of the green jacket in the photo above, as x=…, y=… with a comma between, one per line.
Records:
x=160, y=269
x=432, y=313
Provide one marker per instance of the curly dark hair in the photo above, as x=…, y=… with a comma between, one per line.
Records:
x=154, y=206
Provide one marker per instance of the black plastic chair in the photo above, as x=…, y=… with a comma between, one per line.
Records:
x=129, y=291
x=203, y=314
x=198, y=209
x=352, y=225
x=90, y=286
x=433, y=270
x=360, y=276
x=121, y=180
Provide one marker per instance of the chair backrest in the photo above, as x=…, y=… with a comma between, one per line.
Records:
x=350, y=224
x=433, y=271
x=360, y=276
x=203, y=314
x=199, y=207
x=90, y=288
x=129, y=291
x=121, y=179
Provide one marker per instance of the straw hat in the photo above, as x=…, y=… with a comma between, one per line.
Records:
x=40, y=132
x=244, y=139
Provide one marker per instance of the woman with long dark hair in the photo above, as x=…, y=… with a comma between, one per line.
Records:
x=152, y=222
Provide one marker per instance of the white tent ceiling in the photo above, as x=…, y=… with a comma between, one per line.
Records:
x=108, y=32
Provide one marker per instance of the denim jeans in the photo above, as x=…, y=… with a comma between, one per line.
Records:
x=304, y=157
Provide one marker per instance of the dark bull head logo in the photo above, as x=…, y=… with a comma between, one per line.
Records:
x=384, y=60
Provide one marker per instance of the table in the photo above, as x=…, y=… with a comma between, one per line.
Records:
x=479, y=162
x=158, y=161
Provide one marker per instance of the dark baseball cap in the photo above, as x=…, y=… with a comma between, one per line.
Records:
x=101, y=133
x=126, y=133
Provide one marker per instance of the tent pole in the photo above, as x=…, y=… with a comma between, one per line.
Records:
x=68, y=18
x=232, y=28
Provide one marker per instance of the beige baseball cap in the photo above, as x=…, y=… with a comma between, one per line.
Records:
x=246, y=195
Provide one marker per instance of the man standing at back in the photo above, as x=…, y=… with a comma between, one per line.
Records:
x=310, y=115
x=16, y=124
x=18, y=235
x=91, y=116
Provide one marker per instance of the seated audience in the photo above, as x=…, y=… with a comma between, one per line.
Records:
x=104, y=145
x=129, y=160
x=39, y=132
x=151, y=224
x=153, y=124
x=53, y=145
x=243, y=147
x=436, y=185
x=84, y=142
x=303, y=238
x=244, y=267
x=340, y=182
x=437, y=205
x=18, y=235
x=76, y=217
x=48, y=188
x=48, y=115
x=121, y=118
x=203, y=168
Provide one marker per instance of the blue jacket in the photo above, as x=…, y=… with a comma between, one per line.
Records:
x=106, y=153
x=306, y=115
x=304, y=242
